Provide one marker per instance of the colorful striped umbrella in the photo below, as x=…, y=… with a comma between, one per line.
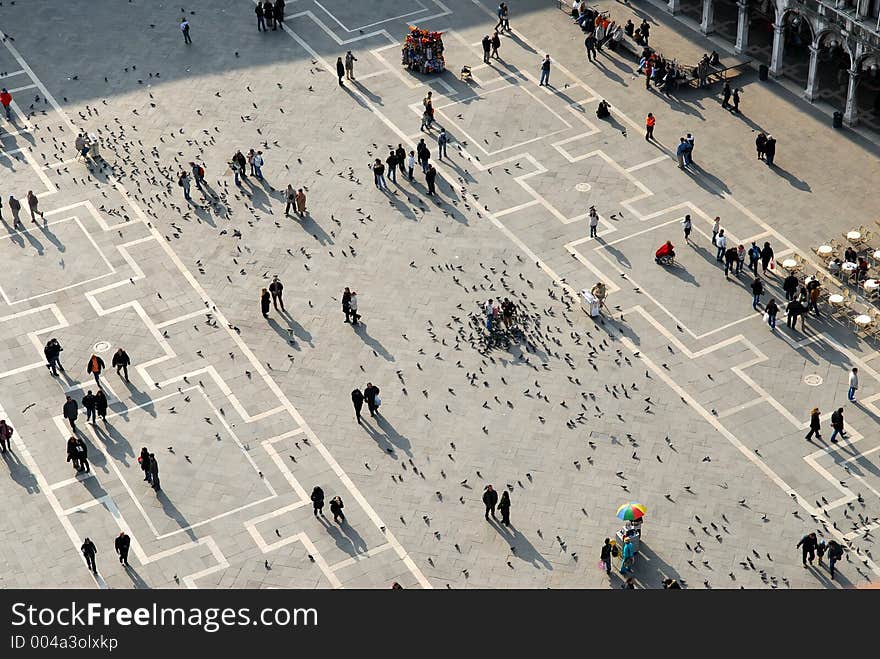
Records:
x=631, y=511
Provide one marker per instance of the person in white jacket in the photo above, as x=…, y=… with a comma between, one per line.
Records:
x=353, y=307
x=853, y=385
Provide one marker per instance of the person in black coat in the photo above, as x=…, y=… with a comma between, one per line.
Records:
x=790, y=286
x=770, y=150
x=336, y=507
x=89, y=550
x=835, y=553
x=121, y=361
x=122, y=544
x=357, y=399
x=261, y=21
x=340, y=70
x=490, y=499
x=154, y=472
x=318, y=500
x=144, y=460
x=815, y=425
x=101, y=405
x=757, y=292
x=371, y=392
x=88, y=402
x=83, y=453
x=52, y=351
x=504, y=507
x=73, y=453
x=265, y=302
x=346, y=304
x=95, y=367
x=71, y=411
x=766, y=256
x=278, y=14
x=430, y=177
x=605, y=555
x=808, y=548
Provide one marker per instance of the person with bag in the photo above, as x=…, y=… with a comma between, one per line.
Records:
x=6, y=432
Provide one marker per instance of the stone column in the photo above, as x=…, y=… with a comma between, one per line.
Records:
x=851, y=112
x=778, y=47
x=673, y=6
x=810, y=92
x=742, y=28
x=707, y=25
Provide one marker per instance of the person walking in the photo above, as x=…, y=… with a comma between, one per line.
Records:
x=500, y=12
x=430, y=178
x=853, y=385
x=336, y=507
x=257, y=163
x=490, y=500
x=371, y=396
x=771, y=309
x=198, y=175
x=681, y=153
x=144, y=462
x=6, y=101
x=605, y=555
x=837, y=425
x=793, y=310
x=689, y=154
x=504, y=508
x=505, y=17
x=590, y=45
x=721, y=245
x=813, y=305
x=317, y=501
x=545, y=72
x=15, y=207
x=183, y=181
x=442, y=141
x=594, y=222
x=815, y=425
x=52, y=351
x=401, y=158
x=357, y=399
x=82, y=452
x=6, y=433
x=687, y=225
x=650, y=122
x=350, y=59
x=89, y=550
x=73, y=453
x=757, y=292
x=122, y=545
x=346, y=304
x=95, y=367
x=379, y=175
x=736, y=97
x=754, y=258
x=70, y=412
x=340, y=70
x=808, y=548
x=716, y=229
x=88, y=402
x=835, y=553
x=766, y=257
x=424, y=154
x=725, y=95
x=265, y=302
x=496, y=44
x=770, y=150
x=154, y=472
x=487, y=47
x=261, y=20
x=269, y=13
x=278, y=13
x=121, y=361
x=34, y=206
x=184, y=28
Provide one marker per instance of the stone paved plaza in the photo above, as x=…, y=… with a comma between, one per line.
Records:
x=680, y=398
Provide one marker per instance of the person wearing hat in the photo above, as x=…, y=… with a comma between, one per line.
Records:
x=627, y=556
x=276, y=289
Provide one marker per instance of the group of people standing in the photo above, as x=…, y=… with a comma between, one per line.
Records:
x=150, y=466
x=398, y=159
x=336, y=505
x=269, y=15
x=370, y=396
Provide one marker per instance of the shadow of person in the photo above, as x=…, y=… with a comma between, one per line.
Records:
x=361, y=330
x=117, y=446
x=370, y=96
x=307, y=222
x=793, y=180
x=354, y=537
x=380, y=439
x=522, y=548
x=647, y=559
x=522, y=44
x=342, y=541
x=140, y=398
x=393, y=436
x=51, y=237
x=293, y=329
x=357, y=96
x=19, y=472
x=36, y=244
x=136, y=580
x=171, y=511
x=709, y=182
x=14, y=235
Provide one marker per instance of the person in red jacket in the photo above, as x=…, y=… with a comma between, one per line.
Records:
x=5, y=100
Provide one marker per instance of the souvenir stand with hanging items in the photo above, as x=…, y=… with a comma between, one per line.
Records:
x=423, y=51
